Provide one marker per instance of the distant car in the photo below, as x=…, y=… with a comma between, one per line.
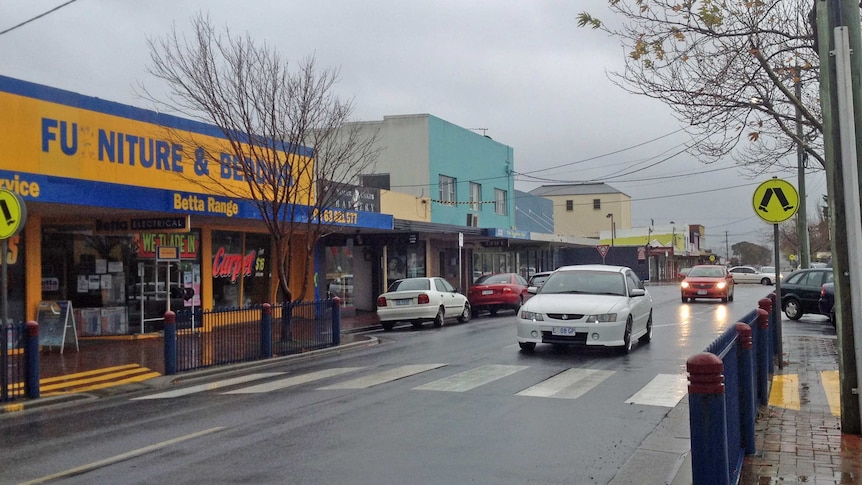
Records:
x=495, y=292
x=593, y=305
x=707, y=281
x=800, y=291
x=771, y=270
x=750, y=274
x=420, y=300
x=826, y=303
x=818, y=265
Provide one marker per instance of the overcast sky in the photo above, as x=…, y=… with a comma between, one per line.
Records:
x=520, y=72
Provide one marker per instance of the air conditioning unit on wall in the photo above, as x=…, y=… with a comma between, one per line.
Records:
x=472, y=220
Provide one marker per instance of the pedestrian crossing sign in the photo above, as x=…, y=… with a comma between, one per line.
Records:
x=775, y=200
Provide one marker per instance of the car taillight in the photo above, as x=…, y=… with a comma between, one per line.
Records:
x=423, y=299
x=381, y=301
x=506, y=289
x=822, y=291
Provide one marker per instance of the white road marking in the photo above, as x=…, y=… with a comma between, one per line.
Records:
x=293, y=381
x=664, y=390
x=122, y=457
x=570, y=384
x=209, y=386
x=385, y=376
x=471, y=379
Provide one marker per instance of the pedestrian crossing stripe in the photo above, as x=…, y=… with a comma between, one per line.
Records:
x=385, y=376
x=832, y=386
x=209, y=386
x=570, y=384
x=293, y=381
x=663, y=390
x=471, y=379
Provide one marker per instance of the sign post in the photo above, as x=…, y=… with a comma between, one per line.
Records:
x=776, y=201
x=13, y=215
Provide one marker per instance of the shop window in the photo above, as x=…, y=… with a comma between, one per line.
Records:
x=339, y=273
x=241, y=269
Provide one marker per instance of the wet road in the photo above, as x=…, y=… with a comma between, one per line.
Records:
x=459, y=404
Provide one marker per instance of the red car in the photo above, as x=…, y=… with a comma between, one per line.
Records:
x=707, y=281
x=496, y=292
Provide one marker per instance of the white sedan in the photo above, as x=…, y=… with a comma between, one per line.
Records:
x=419, y=300
x=749, y=274
x=594, y=305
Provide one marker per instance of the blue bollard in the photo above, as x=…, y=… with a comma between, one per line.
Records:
x=31, y=359
x=707, y=420
x=764, y=355
x=747, y=415
x=170, y=343
x=768, y=305
x=266, y=331
x=336, y=321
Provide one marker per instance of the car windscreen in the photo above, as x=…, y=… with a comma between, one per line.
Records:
x=589, y=282
x=493, y=279
x=412, y=284
x=706, y=272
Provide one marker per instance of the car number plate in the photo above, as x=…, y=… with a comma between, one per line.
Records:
x=487, y=292
x=403, y=302
x=563, y=331
x=701, y=292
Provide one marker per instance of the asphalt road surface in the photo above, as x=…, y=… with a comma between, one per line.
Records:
x=459, y=404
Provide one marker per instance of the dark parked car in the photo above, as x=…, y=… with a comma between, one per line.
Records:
x=800, y=291
x=827, y=301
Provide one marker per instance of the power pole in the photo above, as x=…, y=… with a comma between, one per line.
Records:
x=726, y=248
x=831, y=14
x=802, y=212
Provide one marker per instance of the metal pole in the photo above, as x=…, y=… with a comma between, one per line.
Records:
x=777, y=307
x=801, y=214
x=4, y=328
x=847, y=128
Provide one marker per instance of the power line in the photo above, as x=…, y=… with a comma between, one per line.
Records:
x=10, y=29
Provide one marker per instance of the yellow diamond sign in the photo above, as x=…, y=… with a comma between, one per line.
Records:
x=775, y=200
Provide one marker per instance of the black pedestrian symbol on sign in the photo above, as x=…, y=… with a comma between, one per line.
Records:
x=767, y=196
x=4, y=206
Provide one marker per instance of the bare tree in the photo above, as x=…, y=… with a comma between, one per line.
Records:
x=268, y=113
x=740, y=74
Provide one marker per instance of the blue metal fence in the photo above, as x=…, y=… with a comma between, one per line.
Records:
x=19, y=366
x=199, y=339
x=725, y=384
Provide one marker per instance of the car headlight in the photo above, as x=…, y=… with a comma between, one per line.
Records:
x=721, y=285
x=601, y=318
x=536, y=317
x=684, y=284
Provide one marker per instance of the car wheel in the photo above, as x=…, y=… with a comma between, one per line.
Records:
x=438, y=320
x=724, y=299
x=730, y=298
x=627, y=337
x=684, y=300
x=647, y=337
x=520, y=304
x=527, y=346
x=793, y=309
x=387, y=326
x=465, y=315
x=765, y=281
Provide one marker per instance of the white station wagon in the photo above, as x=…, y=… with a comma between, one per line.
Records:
x=419, y=300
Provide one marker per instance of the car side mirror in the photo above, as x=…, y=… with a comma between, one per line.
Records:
x=532, y=290
x=637, y=292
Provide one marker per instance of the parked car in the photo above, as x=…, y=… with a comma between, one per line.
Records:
x=593, y=305
x=826, y=303
x=707, y=281
x=800, y=291
x=750, y=274
x=420, y=300
x=496, y=292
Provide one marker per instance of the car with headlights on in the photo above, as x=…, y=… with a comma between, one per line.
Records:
x=499, y=291
x=592, y=305
x=420, y=300
x=707, y=281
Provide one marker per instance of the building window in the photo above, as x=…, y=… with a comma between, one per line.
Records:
x=500, y=206
x=570, y=205
x=475, y=196
x=447, y=190
x=597, y=204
